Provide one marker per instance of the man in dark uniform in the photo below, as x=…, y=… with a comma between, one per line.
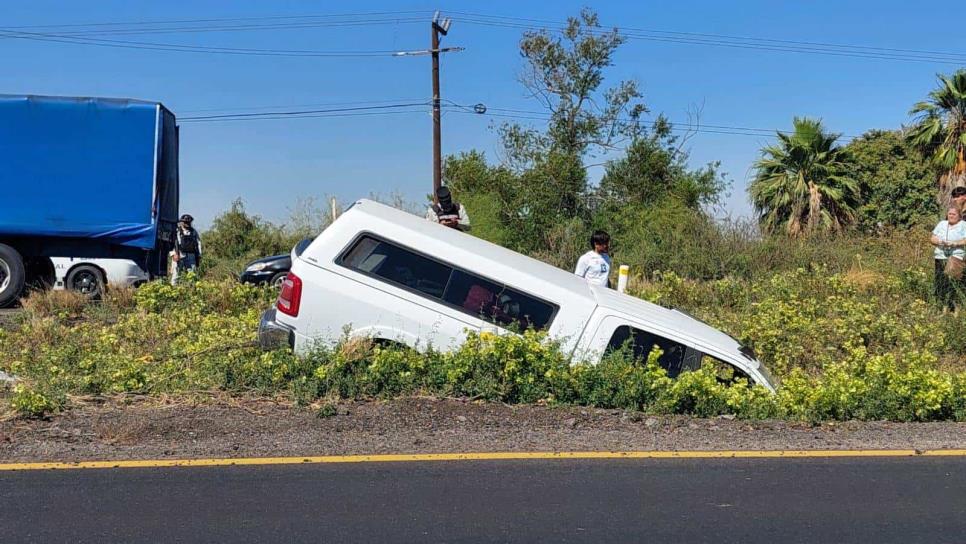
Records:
x=187, y=246
x=448, y=213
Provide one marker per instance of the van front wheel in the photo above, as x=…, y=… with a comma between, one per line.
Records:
x=12, y=275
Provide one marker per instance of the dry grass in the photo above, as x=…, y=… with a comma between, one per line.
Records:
x=356, y=348
x=50, y=303
x=863, y=279
x=119, y=299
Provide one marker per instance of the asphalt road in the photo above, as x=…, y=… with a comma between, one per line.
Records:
x=8, y=313
x=693, y=500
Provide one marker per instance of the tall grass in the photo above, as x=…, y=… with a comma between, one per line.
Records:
x=696, y=247
x=847, y=322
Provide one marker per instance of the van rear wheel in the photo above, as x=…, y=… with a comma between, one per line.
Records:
x=86, y=280
x=12, y=275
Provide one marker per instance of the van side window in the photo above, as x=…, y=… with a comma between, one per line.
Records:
x=675, y=357
x=471, y=294
x=398, y=266
x=497, y=303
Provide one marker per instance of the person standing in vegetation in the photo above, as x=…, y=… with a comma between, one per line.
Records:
x=594, y=266
x=187, y=245
x=959, y=199
x=949, y=239
x=448, y=213
x=173, y=266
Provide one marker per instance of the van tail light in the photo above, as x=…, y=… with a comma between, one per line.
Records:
x=290, y=297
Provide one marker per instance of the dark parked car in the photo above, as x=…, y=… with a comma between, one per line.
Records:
x=271, y=270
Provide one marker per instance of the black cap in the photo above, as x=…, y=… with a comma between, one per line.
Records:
x=959, y=191
x=186, y=218
x=445, y=198
x=443, y=195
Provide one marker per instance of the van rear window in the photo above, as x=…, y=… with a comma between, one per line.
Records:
x=398, y=266
x=469, y=293
x=497, y=303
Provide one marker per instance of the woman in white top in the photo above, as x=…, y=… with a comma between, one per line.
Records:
x=949, y=239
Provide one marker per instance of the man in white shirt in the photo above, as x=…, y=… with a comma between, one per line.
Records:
x=594, y=266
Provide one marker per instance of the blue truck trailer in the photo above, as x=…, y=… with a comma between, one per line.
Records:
x=84, y=177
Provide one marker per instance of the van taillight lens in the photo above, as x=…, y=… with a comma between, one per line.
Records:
x=290, y=296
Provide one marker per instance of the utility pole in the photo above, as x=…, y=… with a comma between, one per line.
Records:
x=438, y=27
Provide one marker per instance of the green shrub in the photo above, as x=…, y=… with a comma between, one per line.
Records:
x=846, y=345
x=619, y=382
x=33, y=403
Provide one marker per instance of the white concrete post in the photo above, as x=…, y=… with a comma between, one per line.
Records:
x=622, y=274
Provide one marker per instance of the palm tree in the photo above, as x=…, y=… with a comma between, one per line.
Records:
x=940, y=132
x=802, y=183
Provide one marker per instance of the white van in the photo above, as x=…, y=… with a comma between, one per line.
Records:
x=92, y=276
x=395, y=277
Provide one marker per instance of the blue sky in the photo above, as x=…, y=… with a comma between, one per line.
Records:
x=271, y=164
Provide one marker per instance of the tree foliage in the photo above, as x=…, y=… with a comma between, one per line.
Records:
x=655, y=168
x=940, y=131
x=803, y=183
x=237, y=234
x=543, y=180
x=897, y=183
x=565, y=72
x=539, y=200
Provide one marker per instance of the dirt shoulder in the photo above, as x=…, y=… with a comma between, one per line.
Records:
x=261, y=428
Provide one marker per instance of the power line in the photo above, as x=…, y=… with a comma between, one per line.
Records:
x=244, y=109
x=237, y=28
x=228, y=19
x=411, y=16
x=763, y=44
x=102, y=42
x=299, y=114
x=226, y=28
x=317, y=116
x=420, y=107
x=725, y=36
x=677, y=127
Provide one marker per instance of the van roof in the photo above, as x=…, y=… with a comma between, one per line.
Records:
x=528, y=273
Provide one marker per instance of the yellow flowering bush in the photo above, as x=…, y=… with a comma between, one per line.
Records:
x=845, y=346
x=195, y=336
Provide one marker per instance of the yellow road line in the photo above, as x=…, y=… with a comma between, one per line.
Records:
x=485, y=456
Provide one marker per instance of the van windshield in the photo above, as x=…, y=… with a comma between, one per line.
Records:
x=675, y=356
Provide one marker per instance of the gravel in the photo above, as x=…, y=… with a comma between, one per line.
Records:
x=421, y=425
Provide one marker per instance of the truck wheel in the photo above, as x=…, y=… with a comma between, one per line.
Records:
x=86, y=280
x=12, y=275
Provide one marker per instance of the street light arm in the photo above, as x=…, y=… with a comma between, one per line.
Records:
x=423, y=52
